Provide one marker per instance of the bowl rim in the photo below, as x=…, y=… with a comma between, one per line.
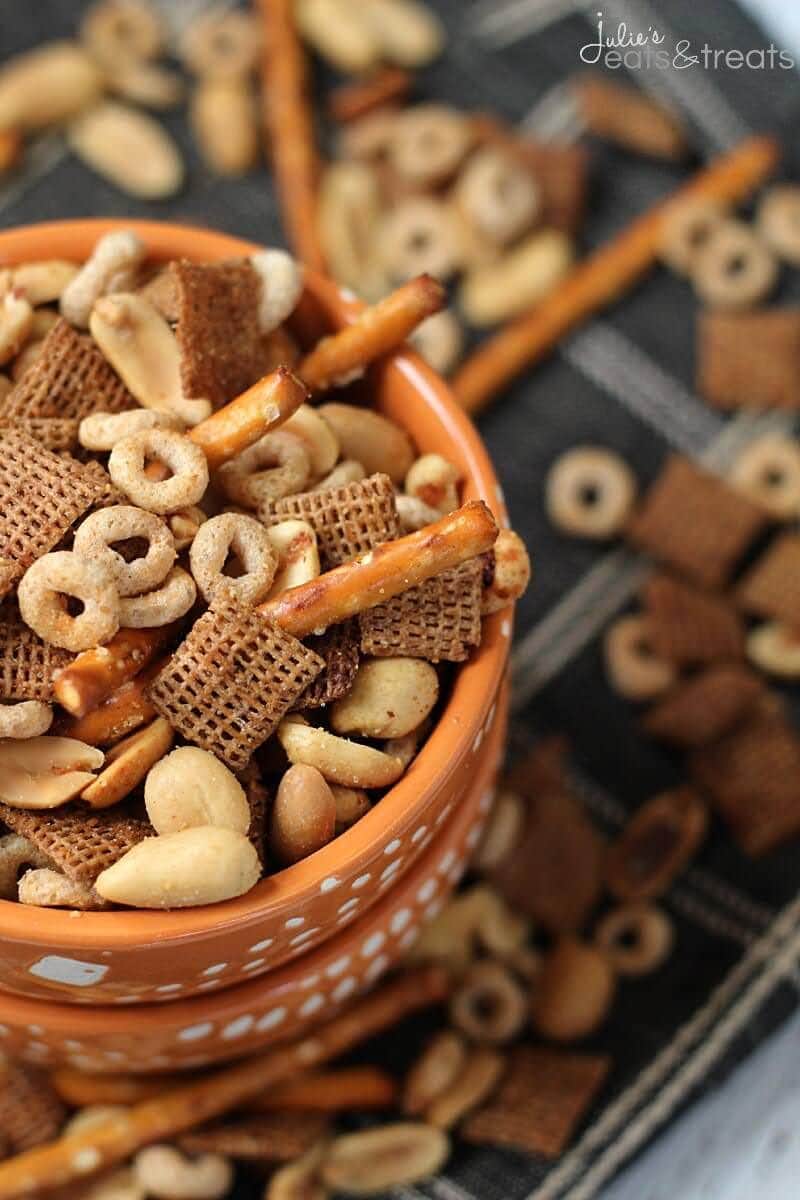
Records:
x=459, y=723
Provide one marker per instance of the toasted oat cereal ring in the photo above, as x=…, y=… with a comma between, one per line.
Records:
x=119, y=30
x=489, y=1006
x=656, y=845
x=17, y=855
x=419, y=236
x=160, y=607
x=101, y=431
x=187, y=462
x=249, y=541
x=428, y=142
x=221, y=45
x=633, y=668
x=778, y=221
x=636, y=938
x=277, y=465
x=510, y=573
x=775, y=649
x=498, y=195
x=27, y=719
x=336, y=758
x=687, y=229
x=735, y=269
x=97, y=535
x=589, y=492
x=768, y=471
x=64, y=573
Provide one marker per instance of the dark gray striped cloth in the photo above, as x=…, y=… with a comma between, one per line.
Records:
x=624, y=381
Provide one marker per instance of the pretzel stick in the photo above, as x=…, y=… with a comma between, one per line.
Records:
x=187, y=1106
x=125, y=710
x=265, y=405
x=384, y=572
x=363, y=96
x=375, y=331
x=604, y=276
x=95, y=674
x=289, y=122
x=80, y=1090
x=346, y=1090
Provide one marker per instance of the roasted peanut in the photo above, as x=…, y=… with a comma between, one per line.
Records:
x=775, y=648
x=43, y=282
x=511, y=574
x=191, y=787
x=317, y=436
x=298, y=1180
x=502, y=831
x=440, y=341
x=434, y=481
x=223, y=117
x=438, y=1067
x=392, y=1156
x=303, y=816
x=389, y=698
x=350, y=210
x=339, y=760
x=339, y=33
x=377, y=443
x=47, y=86
x=519, y=279
x=166, y=1174
x=127, y=764
x=128, y=148
x=295, y=543
x=351, y=806
x=573, y=992
x=409, y=33
x=16, y=320
x=473, y=1085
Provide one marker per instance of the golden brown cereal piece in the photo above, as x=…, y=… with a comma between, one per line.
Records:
x=574, y=991
x=768, y=471
x=303, y=816
x=633, y=667
x=705, y=707
x=749, y=360
x=695, y=522
x=54, y=433
x=186, y=461
x=775, y=649
x=688, y=626
x=248, y=542
x=262, y=1137
x=96, y=536
x=61, y=573
x=27, y=663
x=275, y=466
x=771, y=588
x=629, y=118
x=778, y=221
x=590, y=492
x=231, y=680
x=489, y=1005
x=433, y=1073
x=377, y=1160
x=655, y=846
x=734, y=269
x=419, y=235
x=518, y=280
x=30, y=1111
x=46, y=888
x=541, y=1100
x=18, y=855
x=120, y=30
x=81, y=844
x=428, y=142
x=474, y=1085
x=636, y=938
x=439, y=620
x=338, y=646
x=25, y=719
x=751, y=776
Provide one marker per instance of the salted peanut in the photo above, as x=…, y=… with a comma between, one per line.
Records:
x=451, y=938
x=511, y=573
x=389, y=698
x=143, y=350
x=190, y=787
x=410, y=34
x=440, y=341
x=632, y=666
x=499, y=929
x=298, y=1180
x=166, y=1174
x=161, y=606
x=111, y=266
x=46, y=888
x=434, y=480
x=351, y=805
x=281, y=286
x=16, y=319
x=58, y=755
x=43, y=282
x=414, y=514
x=337, y=759
x=419, y=236
x=47, y=86
x=277, y=465
x=686, y=229
x=490, y=1006
x=295, y=544
x=428, y=143
x=590, y=492
x=187, y=462
x=97, y=535
x=636, y=938
x=64, y=573
x=768, y=471
x=405, y=747
x=347, y=471
x=184, y=525
x=225, y=125
x=518, y=280
x=221, y=44
x=120, y=1185
x=573, y=993
x=376, y=1160
x=775, y=649
x=474, y=1085
x=502, y=832
x=349, y=215
x=25, y=719
x=17, y=855
x=303, y=817
x=248, y=542
x=148, y=84
x=101, y=431
x=201, y=865
x=434, y=1072
x=734, y=270
x=778, y=221
x=381, y=446
x=117, y=31
x=25, y=359
x=36, y=791
x=498, y=195
x=317, y=436
x=128, y=763
x=339, y=34
x=128, y=148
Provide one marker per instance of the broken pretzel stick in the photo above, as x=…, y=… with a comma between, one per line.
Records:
x=81, y=1090
x=191, y=1104
x=289, y=122
x=604, y=276
x=264, y=406
x=121, y=714
x=375, y=331
x=348, y=1089
x=95, y=674
x=353, y=100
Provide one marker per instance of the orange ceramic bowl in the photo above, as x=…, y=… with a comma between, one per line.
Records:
x=144, y=957
x=223, y=1023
